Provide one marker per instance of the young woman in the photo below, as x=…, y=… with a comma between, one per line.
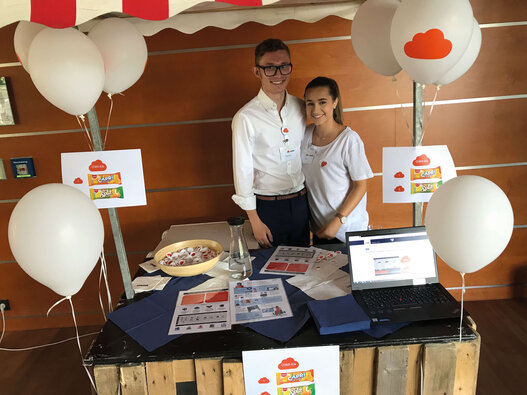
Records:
x=334, y=164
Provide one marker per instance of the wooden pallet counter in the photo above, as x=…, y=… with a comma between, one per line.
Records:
x=210, y=363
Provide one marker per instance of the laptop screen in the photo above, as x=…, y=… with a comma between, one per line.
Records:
x=390, y=257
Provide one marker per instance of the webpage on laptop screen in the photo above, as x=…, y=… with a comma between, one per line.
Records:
x=392, y=258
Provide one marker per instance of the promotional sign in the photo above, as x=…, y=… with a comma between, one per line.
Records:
x=109, y=178
x=287, y=371
x=413, y=174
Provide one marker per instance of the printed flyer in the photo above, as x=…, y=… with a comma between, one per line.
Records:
x=292, y=371
x=201, y=311
x=290, y=261
x=258, y=300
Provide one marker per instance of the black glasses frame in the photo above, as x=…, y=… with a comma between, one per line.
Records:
x=269, y=69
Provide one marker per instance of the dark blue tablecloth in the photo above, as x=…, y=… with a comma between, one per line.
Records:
x=147, y=320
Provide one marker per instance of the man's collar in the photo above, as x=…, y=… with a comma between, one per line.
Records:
x=267, y=102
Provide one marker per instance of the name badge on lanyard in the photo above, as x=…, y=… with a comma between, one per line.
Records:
x=308, y=155
x=287, y=153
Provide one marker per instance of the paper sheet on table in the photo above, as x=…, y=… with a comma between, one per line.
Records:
x=149, y=266
x=149, y=283
x=324, y=280
x=337, y=284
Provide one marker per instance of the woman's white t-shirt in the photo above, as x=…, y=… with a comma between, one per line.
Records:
x=330, y=171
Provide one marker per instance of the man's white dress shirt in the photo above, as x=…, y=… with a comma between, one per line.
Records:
x=266, y=149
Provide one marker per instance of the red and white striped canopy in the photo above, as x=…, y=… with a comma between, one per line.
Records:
x=68, y=13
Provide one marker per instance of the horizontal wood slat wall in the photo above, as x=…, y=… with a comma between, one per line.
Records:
x=179, y=115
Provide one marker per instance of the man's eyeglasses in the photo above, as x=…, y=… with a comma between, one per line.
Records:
x=270, y=71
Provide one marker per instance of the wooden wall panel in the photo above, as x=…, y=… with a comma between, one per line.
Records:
x=187, y=166
x=248, y=34
x=478, y=133
x=7, y=52
x=504, y=270
x=142, y=226
x=491, y=11
x=181, y=155
x=497, y=71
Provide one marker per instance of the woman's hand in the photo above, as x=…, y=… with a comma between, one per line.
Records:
x=329, y=231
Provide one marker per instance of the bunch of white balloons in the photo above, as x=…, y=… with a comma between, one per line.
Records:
x=71, y=69
x=434, y=41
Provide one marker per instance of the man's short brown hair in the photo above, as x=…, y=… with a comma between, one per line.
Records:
x=269, y=45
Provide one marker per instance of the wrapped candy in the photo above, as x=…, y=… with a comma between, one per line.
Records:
x=106, y=193
x=425, y=174
x=104, y=179
x=188, y=256
x=425, y=187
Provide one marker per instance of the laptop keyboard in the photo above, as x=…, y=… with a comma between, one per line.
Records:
x=403, y=296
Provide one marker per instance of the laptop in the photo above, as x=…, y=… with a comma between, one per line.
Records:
x=394, y=276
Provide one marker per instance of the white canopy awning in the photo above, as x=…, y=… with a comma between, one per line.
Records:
x=187, y=16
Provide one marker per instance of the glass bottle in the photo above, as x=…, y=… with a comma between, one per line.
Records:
x=239, y=259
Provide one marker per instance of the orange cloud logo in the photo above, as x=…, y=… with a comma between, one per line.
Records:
x=399, y=174
x=263, y=380
x=265, y=393
x=288, y=363
x=429, y=45
x=421, y=160
x=97, y=165
x=399, y=188
x=323, y=164
x=77, y=181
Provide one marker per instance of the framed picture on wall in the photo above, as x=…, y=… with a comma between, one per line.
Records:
x=6, y=113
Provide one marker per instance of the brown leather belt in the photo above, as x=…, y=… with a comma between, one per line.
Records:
x=282, y=197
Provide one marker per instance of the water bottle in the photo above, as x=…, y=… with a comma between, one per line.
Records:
x=240, y=265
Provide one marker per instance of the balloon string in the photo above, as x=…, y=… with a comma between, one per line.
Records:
x=108, y=123
x=108, y=294
x=394, y=80
x=429, y=114
x=60, y=301
x=104, y=272
x=462, y=294
x=79, y=343
x=85, y=128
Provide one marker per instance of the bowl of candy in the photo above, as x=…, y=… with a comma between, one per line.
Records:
x=188, y=258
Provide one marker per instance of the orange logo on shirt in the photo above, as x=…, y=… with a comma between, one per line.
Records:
x=323, y=164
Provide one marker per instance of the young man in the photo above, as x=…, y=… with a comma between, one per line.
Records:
x=266, y=137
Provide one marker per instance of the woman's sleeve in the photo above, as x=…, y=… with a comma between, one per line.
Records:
x=355, y=159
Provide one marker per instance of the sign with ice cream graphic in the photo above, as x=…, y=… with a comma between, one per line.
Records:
x=109, y=178
x=292, y=371
x=413, y=174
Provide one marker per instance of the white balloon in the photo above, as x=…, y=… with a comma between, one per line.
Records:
x=124, y=52
x=469, y=222
x=429, y=37
x=370, y=35
x=466, y=61
x=56, y=235
x=67, y=69
x=25, y=32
